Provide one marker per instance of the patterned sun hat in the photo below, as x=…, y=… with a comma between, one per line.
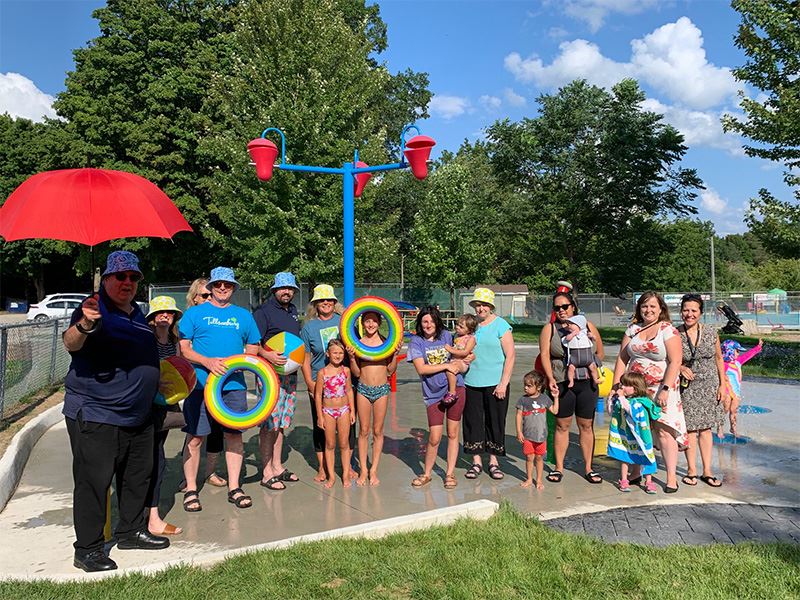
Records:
x=324, y=292
x=120, y=261
x=728, y=348
x=222, y=274
x=161, y=304
x=285, y=279
x=484, y=295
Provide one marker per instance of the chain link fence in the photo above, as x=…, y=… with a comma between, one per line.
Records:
x=32, y=358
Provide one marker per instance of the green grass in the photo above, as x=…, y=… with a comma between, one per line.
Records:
x=16, y=370
x=507, y=557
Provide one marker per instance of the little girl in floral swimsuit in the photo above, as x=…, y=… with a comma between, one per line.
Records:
x=333, y=397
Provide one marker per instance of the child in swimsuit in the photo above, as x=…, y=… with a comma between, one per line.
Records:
x=462, y=347
x=372, y=396
x=333, y=397
x=734, y=356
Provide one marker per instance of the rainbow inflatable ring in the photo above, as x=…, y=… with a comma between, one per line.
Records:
x=349, y=327
x=269, y=386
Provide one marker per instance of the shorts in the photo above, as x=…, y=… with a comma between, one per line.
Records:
x=436, y=411
x=538, y=448
x=579, y=400
x=283, y=413
x=198, y=422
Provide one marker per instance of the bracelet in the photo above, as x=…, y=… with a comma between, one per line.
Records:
x=86, y=331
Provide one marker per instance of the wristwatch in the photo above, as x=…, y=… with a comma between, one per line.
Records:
x=85, y=331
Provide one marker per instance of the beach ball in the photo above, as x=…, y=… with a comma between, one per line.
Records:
x=178, y=378
x=606, y=377
x=291, y=347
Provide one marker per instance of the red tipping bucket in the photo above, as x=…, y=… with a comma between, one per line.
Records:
x=417, y=152
x=263, y=152
x=361, y=179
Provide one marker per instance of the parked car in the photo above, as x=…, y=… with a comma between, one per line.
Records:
x=52, y=309
x=65, y=296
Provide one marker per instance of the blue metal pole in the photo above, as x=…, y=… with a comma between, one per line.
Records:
x=348, y=218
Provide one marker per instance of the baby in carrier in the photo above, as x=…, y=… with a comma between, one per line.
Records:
x=577, y=340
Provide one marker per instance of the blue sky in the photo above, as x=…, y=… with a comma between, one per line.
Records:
x=489, y=60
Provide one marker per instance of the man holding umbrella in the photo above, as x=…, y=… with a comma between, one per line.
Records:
x=109, y=391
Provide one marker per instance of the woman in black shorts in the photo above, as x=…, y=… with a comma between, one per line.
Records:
x=579, y=400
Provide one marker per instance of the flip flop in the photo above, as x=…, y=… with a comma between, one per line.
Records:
x=555, y=476
x=689, y=479
x=473, y=471
x=594, y=477
x=287, y=475
x=670, y=490
x=274, y=483
x=712, y=481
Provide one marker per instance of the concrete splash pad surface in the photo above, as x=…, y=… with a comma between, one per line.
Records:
x=36, y=525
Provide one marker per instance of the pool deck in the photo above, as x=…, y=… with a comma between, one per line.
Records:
x=36, y=525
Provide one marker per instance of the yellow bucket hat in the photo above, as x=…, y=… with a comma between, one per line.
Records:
x=484, y=295
x=324, y=292
x=162, y=303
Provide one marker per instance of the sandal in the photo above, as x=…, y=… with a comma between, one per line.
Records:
x=243, y=501
x=474, y=470
x=169, y=529
x=495, y=472
x=670, y=490
x=710, y=480
x=556, y=476
x=274, y=483
x=450, y=482
x=689, y=479
x=418, y=482
x=651, y=488
x=216, y=480
x=594, y=477
x=287, y=475
x=624, y=485
x=191, y=501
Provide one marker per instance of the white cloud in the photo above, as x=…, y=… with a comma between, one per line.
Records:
x=711, y=201
x=513, y=98
x=594, y=12
x=671, y=59
x=448, y=107
x=20, y=97
x=557, y=33
x=490, y=102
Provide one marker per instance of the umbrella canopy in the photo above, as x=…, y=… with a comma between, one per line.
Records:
x=777, y=292
x=88, y=206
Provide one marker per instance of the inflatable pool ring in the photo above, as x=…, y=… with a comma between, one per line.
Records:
x=177, y=380
x=606, y=377
x=292, y=347
x=269, y=390
x=388, y=313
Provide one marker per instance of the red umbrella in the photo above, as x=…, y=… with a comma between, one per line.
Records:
x=88, y=206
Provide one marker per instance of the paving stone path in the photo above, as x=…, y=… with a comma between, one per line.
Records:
x=665, y=525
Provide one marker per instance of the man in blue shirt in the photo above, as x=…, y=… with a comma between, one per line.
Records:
x=108, y=400
x=277, y=315
x=210, y=333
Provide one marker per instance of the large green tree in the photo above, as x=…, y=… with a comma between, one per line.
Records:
x=769, y=35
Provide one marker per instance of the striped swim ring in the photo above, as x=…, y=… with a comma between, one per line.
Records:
x=269, y=388
x=349, y=327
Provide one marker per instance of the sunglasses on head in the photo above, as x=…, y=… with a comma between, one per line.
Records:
x=133, y=277
x=204, y=296
x=561, y=307
x=225, y=284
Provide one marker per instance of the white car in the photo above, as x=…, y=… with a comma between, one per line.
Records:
x=64, y=296
x=52, y=309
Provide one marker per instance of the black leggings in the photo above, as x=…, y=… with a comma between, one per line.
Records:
x=579, y=400
x=485, y=421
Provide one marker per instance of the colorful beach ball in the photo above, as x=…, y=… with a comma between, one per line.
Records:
x=291, y=347
x=178, y=378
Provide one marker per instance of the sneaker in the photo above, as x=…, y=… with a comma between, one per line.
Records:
x=651, y=488
x=624, y=485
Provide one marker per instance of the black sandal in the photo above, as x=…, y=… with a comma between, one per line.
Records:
x=274, y=483
x=690, y=479
x=191, y=498
x=495, y=472
x=243, y=501
x=288, y=476
x=710, y=480
x=473, y=471
x=555, y=476
x=594, y=477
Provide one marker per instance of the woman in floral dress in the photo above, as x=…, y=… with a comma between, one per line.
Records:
x=652, y=347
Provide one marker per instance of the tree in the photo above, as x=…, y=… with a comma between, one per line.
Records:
x=769, y=34
x=593, y=171
x=685, y=261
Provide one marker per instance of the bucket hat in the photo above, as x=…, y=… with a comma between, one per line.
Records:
x=484, y=295
x=285, y=279
x=161, y=304
x=120, y=261
x=222, y=274
x=324, y=292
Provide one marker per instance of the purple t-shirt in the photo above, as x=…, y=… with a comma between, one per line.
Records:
x=434, y=387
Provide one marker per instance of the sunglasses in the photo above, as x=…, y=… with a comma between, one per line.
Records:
x=561, y=307
x=204, y=296
x=222, y=284
x=132, y=277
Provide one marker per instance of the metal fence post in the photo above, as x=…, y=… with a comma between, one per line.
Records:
x=53, y=350
x=3, y=357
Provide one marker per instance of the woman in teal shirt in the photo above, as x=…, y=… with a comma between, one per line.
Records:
x=487, y=387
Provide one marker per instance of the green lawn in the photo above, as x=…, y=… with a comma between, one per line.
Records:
x=509, y=556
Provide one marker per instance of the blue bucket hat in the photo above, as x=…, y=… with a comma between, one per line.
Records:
x=728, y=348
x=120, y=261
x=285, y=279
x=222, y=274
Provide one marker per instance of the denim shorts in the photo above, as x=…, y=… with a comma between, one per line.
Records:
x=198, y=422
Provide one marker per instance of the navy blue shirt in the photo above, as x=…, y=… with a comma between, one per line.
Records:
x=272, y=318
x=114, y=377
